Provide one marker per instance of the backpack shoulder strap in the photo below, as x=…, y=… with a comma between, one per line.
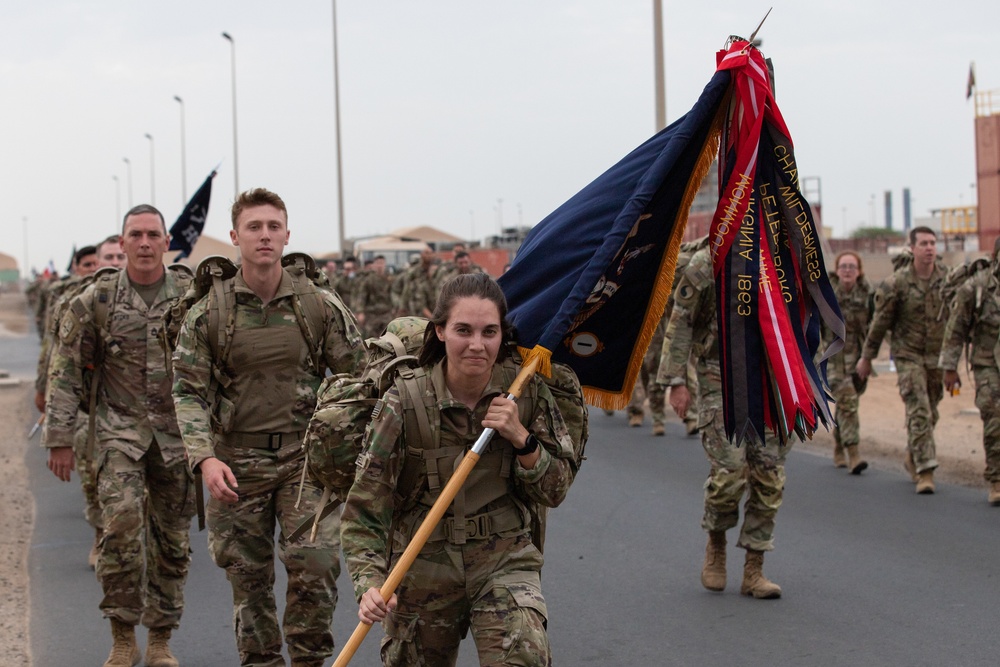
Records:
x=214, y=277
x=307, y=302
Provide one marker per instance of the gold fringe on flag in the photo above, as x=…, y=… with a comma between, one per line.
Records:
x=609, y=400
x=543, y=355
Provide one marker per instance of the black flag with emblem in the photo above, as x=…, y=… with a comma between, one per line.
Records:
x=186, y=231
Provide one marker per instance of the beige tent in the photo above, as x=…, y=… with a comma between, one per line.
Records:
x=205, y=247
x=428, y=234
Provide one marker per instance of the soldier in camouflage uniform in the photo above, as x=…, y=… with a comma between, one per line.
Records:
x=908, y=304
x=246, y=437
x=854, y=295
x=647, y=386
x=399, y=280
x=109, y=254
x=144, y=486
x=975, y=316
x=461, y=266
x=347, y=281
x=755, y=468
x=84, y=265
x=420, y=290
x=480, y=569
x=373, y=299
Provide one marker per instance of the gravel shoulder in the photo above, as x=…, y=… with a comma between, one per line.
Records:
x=17, y=517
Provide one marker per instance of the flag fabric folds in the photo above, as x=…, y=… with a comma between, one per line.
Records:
x=970, y=85
x=772, y=288
x=590, y=282
x=187, y=230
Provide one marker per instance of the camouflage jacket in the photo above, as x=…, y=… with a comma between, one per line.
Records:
x=133, y=402
x=370, y=509
x=693, y=327
x=372, y=295
x=910, y=311
x=270, y=382
x=978, y=322
x=346, y=287
x=60, y=294
x=420, y=291
x=856, y=307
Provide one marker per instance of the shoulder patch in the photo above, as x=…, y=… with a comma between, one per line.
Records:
x=68, y=327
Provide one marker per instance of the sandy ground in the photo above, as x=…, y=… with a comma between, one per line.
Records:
x=883, y=444
x=17, y=514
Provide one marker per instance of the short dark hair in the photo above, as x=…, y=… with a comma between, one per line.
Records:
x=83, y=252
x=920, y=230
x=144, y=208
x=461, y=286
x=257, y=197
x=460, y=254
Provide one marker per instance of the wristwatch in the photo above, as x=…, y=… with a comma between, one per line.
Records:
x=530, y=445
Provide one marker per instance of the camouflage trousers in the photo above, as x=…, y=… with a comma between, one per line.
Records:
x=88, y=478
x=847, y=432
x=491, y=586
x=145, y=551
x=755, y=468
x=988, y=402
x=921, y=389
x=646, y=387
x=241, y=541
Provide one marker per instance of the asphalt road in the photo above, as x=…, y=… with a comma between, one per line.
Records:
x=872, y=573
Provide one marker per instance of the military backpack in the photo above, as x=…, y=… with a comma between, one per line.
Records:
x=958, y=276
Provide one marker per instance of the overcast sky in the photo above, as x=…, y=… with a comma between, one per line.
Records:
x=462, y=114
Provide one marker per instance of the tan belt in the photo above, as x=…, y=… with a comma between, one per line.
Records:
x=271, y=441
x=479, y=526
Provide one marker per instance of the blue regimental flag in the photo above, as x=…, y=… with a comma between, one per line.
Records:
x=590, y=282
x=187, y=230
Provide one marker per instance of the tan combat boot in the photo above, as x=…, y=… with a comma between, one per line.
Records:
x=925, y=482
x=124, y=652
x=838, y=457
x=658, y=428
x=994, y=497
x=635, y=420
x=855, y=462
x=158, y=650
x=713, y=572
x=754, y=581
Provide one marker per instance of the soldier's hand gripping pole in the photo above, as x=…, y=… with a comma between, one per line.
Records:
x=433, y=517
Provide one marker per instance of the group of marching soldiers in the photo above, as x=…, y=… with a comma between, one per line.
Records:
x=131, y=398
x=376, y=294
x=932, y=314
x=138, y=418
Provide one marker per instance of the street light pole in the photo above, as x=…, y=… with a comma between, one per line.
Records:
x=236, y=159
x=658, y=69
x=341, y=225
x=128, y=174
x=152, y=172
x=184, y=196
x=118, y=200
